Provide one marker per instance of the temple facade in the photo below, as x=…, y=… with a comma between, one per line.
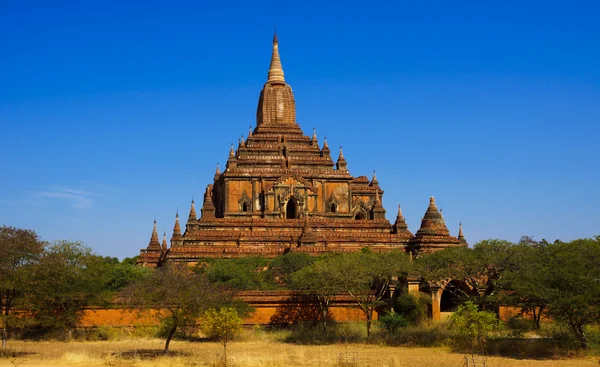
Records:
x=281, y=191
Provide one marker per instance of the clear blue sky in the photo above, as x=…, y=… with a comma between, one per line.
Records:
x=113, y=113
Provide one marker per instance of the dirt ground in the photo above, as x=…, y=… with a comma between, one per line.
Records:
x=250, y=353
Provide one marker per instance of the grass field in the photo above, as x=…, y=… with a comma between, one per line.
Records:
x=259, y=352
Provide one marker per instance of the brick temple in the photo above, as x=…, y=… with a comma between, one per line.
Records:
x=281, y=191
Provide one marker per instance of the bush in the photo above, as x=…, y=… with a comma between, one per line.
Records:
x=413, y=307
x=392, y=321
x=519, y=325
x=422, y=335
x=472, y=326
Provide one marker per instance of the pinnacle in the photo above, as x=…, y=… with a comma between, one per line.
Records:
x=275, y=74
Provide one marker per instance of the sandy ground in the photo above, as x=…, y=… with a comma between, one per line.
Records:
x=267, y=353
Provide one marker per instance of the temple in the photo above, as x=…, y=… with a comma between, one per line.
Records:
x=281, y=191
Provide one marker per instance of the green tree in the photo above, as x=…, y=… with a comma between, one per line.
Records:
x=247, y=273
x=66, y=279
x=19, y=249
x=572, y=284
x=524, y=282
x=316, y=282
x=222, y=324
x=473, y=325
x=366, y=276
x=284, y=266
x=178, y=294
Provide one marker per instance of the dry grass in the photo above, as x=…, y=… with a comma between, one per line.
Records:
x=260, y=352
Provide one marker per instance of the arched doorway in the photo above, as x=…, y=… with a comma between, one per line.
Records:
x=359, y=216
x=291, y=209
x=454, y=294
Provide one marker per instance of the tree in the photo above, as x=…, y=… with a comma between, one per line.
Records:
x=524, y=282
x=284, y=266
x=365, y=276
x=66, y=279
x=480, y=269
x=177, y=294
x=19, y=249
x=473, y=325
x=222, y=324
x=316, y=281
x=247, y=273
x=573, y=284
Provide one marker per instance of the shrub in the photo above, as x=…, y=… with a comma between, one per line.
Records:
x=413, y=307
x=392, y=321
x=472, y=326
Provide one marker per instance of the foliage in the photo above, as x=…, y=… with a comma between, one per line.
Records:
x=392, y=321
x=283, y=266
x=573, y=284
x=19, y=250
x=316, y=282
x=179, y=294
x=247, y=273
x=474, y=326
x=222, y=324
x=66, y=279
x=365, y=276
x=480, y=268
x=414, y=308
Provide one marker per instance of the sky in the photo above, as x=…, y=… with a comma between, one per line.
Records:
x=114, y=113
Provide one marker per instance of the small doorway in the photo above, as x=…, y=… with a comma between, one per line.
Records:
x=291, y=209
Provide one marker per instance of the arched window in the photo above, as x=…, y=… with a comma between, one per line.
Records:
x=359, y=216
x=333, y=207
x=291, y=209
x=244, y=207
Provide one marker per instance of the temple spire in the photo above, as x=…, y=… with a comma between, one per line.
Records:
x=192, y=215
x=275, y=75
x=461, y=236
x=154, y=238
x=177, y=227
x=341, y=164
x=218, y=170
x=400, y=224
x=164, y=241
x=374, y=181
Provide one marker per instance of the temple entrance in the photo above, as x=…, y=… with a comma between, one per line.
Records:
x=291, y=209
x=359, y=216
x=454, y=295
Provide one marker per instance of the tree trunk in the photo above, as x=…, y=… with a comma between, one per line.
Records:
x=369, y=319
x=4, y=332
x=580, y=333
x=171, y=333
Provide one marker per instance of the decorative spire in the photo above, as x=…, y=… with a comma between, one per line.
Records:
x=341, y=164
x=461, y=236
x=400, y=215
x=242, y=141
x=374, y=181
x=275, y=75
x=154, y=238
x=218, y=170
x=313, y=140
x=231, y=152
x=432, y=222
x=177, y=227
x=307, y=237
x=325, y=145
x=192, y=215
x=400, y=224
x=164, y=241
x=378, y=210
x=250, y=132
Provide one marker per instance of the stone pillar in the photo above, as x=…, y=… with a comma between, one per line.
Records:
x=436, y=298
x=413, y=287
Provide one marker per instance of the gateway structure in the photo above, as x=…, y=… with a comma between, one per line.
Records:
x=281, y=191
